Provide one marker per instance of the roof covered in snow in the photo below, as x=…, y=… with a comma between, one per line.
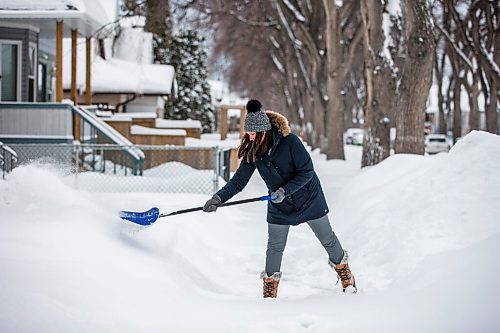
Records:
x=134, y=115
x=85, y=15
x=141, y=130
x=168, y=123
x=118, y=76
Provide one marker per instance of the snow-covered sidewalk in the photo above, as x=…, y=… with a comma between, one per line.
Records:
x=423, y=235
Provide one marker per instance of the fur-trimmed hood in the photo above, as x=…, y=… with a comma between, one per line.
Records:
x=280, y=122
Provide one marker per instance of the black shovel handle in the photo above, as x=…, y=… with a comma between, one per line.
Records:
x=237, y=202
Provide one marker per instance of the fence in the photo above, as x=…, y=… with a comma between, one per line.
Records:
x=8, y=159
x=109, y=168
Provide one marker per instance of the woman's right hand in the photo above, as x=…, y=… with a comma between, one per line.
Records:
x=212, y=204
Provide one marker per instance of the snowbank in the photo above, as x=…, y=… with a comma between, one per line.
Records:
x=423, y=234
x=411, y=207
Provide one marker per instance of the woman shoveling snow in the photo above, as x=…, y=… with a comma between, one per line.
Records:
x=287, y=169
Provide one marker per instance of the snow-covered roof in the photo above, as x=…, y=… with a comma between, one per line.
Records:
x=118, y=76
x=85, y=15
x=141, y=130
x=134, y=115
x=168, y=123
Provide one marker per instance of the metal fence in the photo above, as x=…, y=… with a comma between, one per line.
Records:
x=110, y=168
x=8, y=159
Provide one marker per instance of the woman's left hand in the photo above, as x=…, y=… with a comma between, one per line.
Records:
x=278, y=195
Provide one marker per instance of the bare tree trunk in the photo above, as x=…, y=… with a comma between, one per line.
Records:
x=318, y=128
x=473, y=93
x=334, y=84
x=492, y=108
x=380, y=89
x=438, y=70
x=457, y=111
x=416, y=76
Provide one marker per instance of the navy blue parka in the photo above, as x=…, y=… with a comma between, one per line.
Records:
x=289, y=165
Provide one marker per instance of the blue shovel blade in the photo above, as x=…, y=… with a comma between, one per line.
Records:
x=142, y=218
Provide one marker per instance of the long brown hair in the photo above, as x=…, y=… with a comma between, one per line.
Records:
x=259, y=146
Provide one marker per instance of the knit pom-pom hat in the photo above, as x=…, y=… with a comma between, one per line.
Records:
x=256, y=119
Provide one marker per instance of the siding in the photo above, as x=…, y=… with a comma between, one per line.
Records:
x=25, y=121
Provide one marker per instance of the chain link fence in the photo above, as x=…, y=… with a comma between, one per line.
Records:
x=116, y=168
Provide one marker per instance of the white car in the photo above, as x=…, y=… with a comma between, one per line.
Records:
x=436, y=143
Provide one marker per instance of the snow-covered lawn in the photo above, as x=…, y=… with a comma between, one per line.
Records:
x=423, y=234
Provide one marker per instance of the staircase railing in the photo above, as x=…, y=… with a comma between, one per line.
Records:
x=108, y=133
x=8, y=159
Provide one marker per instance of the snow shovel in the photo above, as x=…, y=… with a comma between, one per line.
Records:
x=149, y=217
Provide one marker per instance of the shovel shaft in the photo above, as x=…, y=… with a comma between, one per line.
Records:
x=232, y=203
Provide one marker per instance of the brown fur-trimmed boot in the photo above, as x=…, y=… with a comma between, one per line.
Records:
x=270, y=287
x=344, y=274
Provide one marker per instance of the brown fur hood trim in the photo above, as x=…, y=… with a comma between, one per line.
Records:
x=280, y=122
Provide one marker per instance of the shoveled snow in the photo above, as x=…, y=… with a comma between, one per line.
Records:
x=423, y=234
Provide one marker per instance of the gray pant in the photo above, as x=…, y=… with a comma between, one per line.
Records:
x=279, y=233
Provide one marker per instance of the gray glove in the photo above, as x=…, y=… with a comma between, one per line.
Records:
x=212, y=204
x=278, y=195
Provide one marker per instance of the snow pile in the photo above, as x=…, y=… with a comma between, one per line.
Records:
x=411, y=207
x=423, y=234
x=172, y=177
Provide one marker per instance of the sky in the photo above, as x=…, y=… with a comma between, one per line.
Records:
x=422, y=233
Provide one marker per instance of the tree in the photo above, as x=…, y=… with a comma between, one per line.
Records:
x=398, y=51
x=304, y=50
x=469, y=33
x=380, y=80
x=194, y=100
x=159, y=22
x=416, y=53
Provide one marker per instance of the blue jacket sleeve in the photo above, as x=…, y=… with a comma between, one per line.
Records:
x=303, y=166
x=237, y=182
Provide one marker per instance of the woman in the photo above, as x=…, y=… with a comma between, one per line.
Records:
x=286, y=167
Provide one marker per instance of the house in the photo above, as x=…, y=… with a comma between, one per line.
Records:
x=31, y=35
x=124, y=77
x=38, y=61
x=36, y=68
x=31, y=75
x=31, y=65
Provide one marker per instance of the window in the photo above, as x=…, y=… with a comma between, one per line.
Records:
x=10, y=70
x=42, y=82
x=32, y=73
x=437, y=140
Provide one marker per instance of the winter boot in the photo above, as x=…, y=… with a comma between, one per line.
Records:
x=270, y=288
x=344, y=274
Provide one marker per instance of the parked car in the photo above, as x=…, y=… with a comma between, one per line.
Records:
x=354, y=136
x=436, y=143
